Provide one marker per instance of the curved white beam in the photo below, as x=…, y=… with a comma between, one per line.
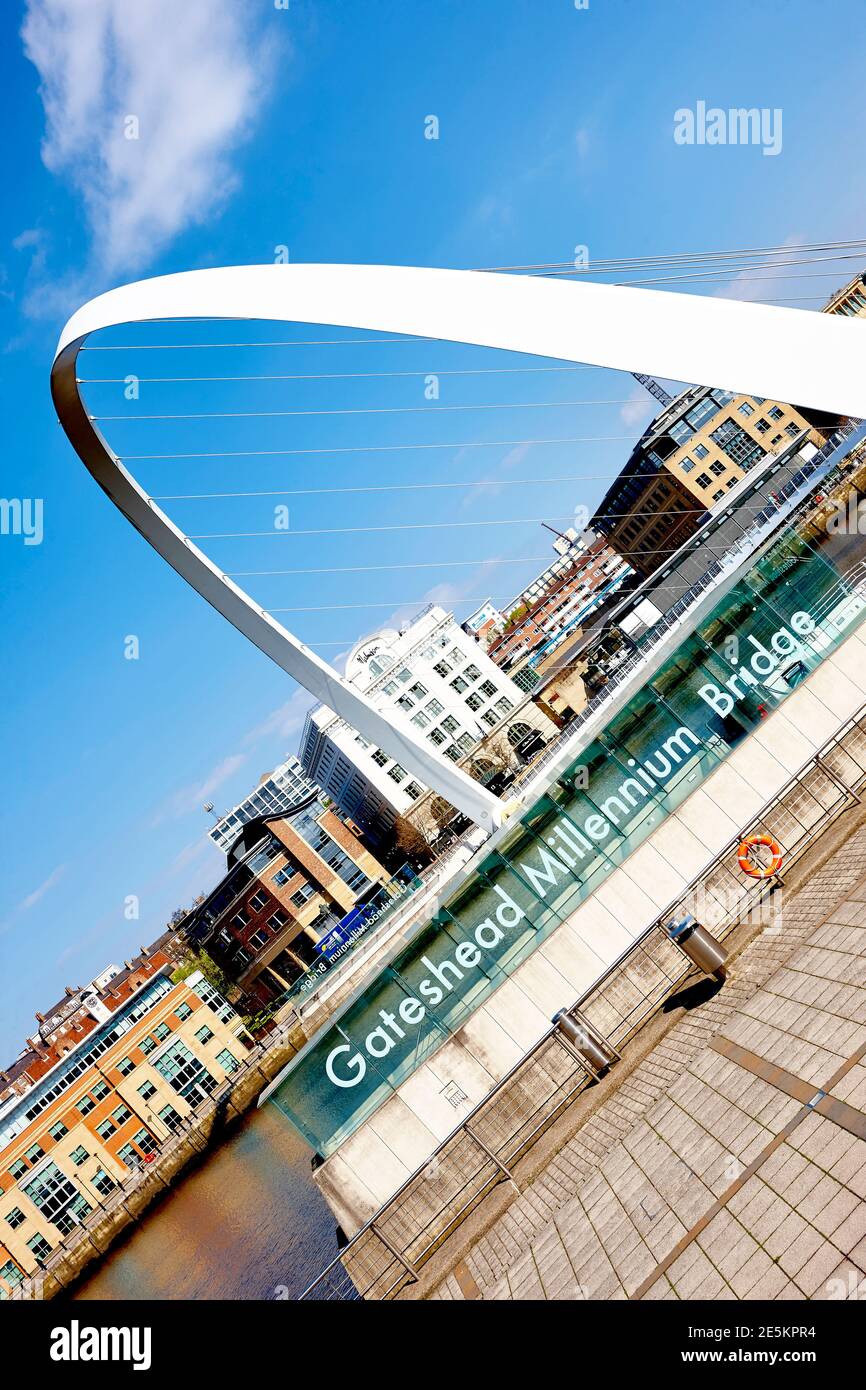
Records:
x=784, y=354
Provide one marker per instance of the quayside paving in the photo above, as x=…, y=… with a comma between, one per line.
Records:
x=730, y=1163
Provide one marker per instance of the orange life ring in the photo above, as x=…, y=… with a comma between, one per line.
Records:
x=753, y=870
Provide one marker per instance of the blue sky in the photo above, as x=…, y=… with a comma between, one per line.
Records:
x=262, y=127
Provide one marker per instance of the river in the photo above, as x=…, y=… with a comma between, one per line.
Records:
x=241, y=1224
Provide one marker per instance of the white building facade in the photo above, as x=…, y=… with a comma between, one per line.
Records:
x=435, y=674
x=286, y=786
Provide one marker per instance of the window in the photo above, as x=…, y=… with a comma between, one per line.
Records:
x=700, y=451
x=18, y=1169
x=459, y=684
x=79, y=1155
x=380, y=758
x=717, y=468
x=403, y=675
x=129, y=1156
x=412, y=789
x=125, y=1066
x=39, y=1245
x=702, y=412
x=474, y=701
x=465, y=743
x=35, y=1152
x=303, y=895
x=687, y=464
x=450, y=725
x=792, y=430
x=434, y=709
x=436, y=736
x=283, y=875
x=277, y=920
x=397, y=773
x=259, y=939
x=105, y=1129
x=717, y=495
x=57, y=1197
x=503, y=706
x=442, y=669
x=170, y=1117
x=161, y=1032
x=488, y=689
x=456, y=656
x=420, y=720
x=405, y=704
x=227, y=1060
x=183, y=1011
x=490, y=719
x=739, y=446
x=147, y=1045
x=102, y=1182
x=57, y=1131
x=259, y=900
x=732, y=482
x=775, y=412
x=145, y=1140
x=452, y=752
x=11, y=1274
x=204, y=1034
x=146, y=1090
x=472, y=673
x=762, y=425
x=703, y=480
x=100, y=1090
x=745, y=409
x=240, y=919
x=418, y=690
x=15, y=1217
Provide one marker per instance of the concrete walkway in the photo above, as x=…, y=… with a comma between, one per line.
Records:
x=731, y=1163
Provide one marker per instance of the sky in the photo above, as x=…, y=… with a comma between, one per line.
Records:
x=257, y=127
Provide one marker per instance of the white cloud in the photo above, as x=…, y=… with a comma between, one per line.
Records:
x=191, y=797
x=45, y=887
x=190, y=75
x=285, y=720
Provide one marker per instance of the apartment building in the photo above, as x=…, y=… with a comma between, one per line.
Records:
x=850, y=300
x=100, y=1103
x=438, y=677
x=686, y=462
x=289, y=881
x=284, y=788
x=556, y=603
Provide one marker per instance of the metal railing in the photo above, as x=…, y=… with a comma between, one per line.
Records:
x=388, y=1251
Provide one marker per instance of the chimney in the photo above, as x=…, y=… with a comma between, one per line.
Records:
x=40, y=1018
x=143, y=951
x=70, y=991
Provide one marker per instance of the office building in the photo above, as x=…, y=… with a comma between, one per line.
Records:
x=287, y=786
x=439, y=678
x=289, y=880
x=686, y=462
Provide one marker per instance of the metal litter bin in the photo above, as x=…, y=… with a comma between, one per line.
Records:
x=701, y=947
x=594, y=1050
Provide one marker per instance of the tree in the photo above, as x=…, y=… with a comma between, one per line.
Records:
x=412, y=841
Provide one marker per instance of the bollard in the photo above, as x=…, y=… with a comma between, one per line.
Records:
x=701, y=947
x=595, y=1051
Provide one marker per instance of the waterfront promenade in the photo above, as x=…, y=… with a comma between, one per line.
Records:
x=730, y=1162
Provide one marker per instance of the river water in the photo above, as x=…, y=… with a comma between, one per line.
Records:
x=245, y=1222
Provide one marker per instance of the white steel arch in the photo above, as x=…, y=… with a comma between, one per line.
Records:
x=791, y=355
